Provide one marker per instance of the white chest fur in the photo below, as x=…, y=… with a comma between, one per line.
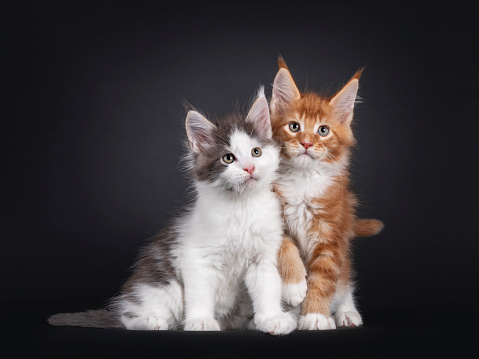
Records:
x=229, y=236
x=236, y=224
x=299, y=190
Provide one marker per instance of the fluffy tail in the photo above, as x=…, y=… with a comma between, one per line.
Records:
x=91, y=318
x=367, y=227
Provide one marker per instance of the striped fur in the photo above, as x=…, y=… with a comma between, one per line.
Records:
x=319, y=208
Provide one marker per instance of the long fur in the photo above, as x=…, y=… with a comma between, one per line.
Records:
x=101, y=318
x=319, y=208
x=215, y=266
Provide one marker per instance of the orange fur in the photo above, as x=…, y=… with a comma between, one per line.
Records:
x=281, y=63
x=291, y=268
x=334, y=221
x=367, y=227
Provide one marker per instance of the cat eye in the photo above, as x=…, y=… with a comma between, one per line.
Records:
x=323, y=130
x=256, y=152
x=294, y=126
x=228, y=158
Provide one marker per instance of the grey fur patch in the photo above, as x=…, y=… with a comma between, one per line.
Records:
x=90, y=319
x=154, y=265
x=207, y=165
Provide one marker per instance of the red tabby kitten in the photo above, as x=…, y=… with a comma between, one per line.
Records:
x=319, y=209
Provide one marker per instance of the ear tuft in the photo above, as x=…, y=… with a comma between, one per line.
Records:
x=260, y=92
x=281, y=63
x=285, y=91
x=343, y=102
x=258, y=115
x=199, y=131
x=358, y=74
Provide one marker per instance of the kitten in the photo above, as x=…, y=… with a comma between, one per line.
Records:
x=195, y=273
x=319, y=208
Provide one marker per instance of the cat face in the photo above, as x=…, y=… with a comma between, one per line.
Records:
x=235, y=154
x=313, y=130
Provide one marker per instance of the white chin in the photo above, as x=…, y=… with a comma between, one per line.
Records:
x=246, y=185
x=250, y=182
x=303, y=160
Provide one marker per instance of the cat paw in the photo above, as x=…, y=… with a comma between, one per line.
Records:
x=348, y=319
x=202, y=324
x=294, y=294
x=280, y=324
x=315, y=321
x=147, y=323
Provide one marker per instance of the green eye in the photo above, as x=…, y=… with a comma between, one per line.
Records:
x=256, y=152
x=323, y=130
x=228, y=158
x=294, y=126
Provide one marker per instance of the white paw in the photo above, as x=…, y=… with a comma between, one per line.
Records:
x=280, y=324
x=202, y=324
x=294, y=294
x=147, y=323
x=315, y=321
x=348, y=319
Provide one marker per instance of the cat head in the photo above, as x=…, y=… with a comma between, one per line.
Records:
x=236, y=153
x=312, y=130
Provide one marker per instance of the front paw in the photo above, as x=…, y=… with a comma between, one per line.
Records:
x=202, y=324
x=348, y=319
x=294, y=293
x=315, y=321
x=280, y=324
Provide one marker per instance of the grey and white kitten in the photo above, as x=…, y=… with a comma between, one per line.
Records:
x=196, y=274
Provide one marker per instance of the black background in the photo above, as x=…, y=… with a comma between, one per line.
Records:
x=93, y=130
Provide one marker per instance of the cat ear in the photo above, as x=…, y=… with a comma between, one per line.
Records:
x=258, y=115
x=199, y=131
x=343, y=102
x=285, y=90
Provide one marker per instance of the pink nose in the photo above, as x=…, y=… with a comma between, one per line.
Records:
x=249, y=169
x=306, y=145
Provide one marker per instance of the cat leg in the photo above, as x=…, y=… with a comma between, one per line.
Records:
x=343, y=305
x=149, y=307
x=264, y=286
x=199, y=277
x=324, y=271
x=293, y=273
